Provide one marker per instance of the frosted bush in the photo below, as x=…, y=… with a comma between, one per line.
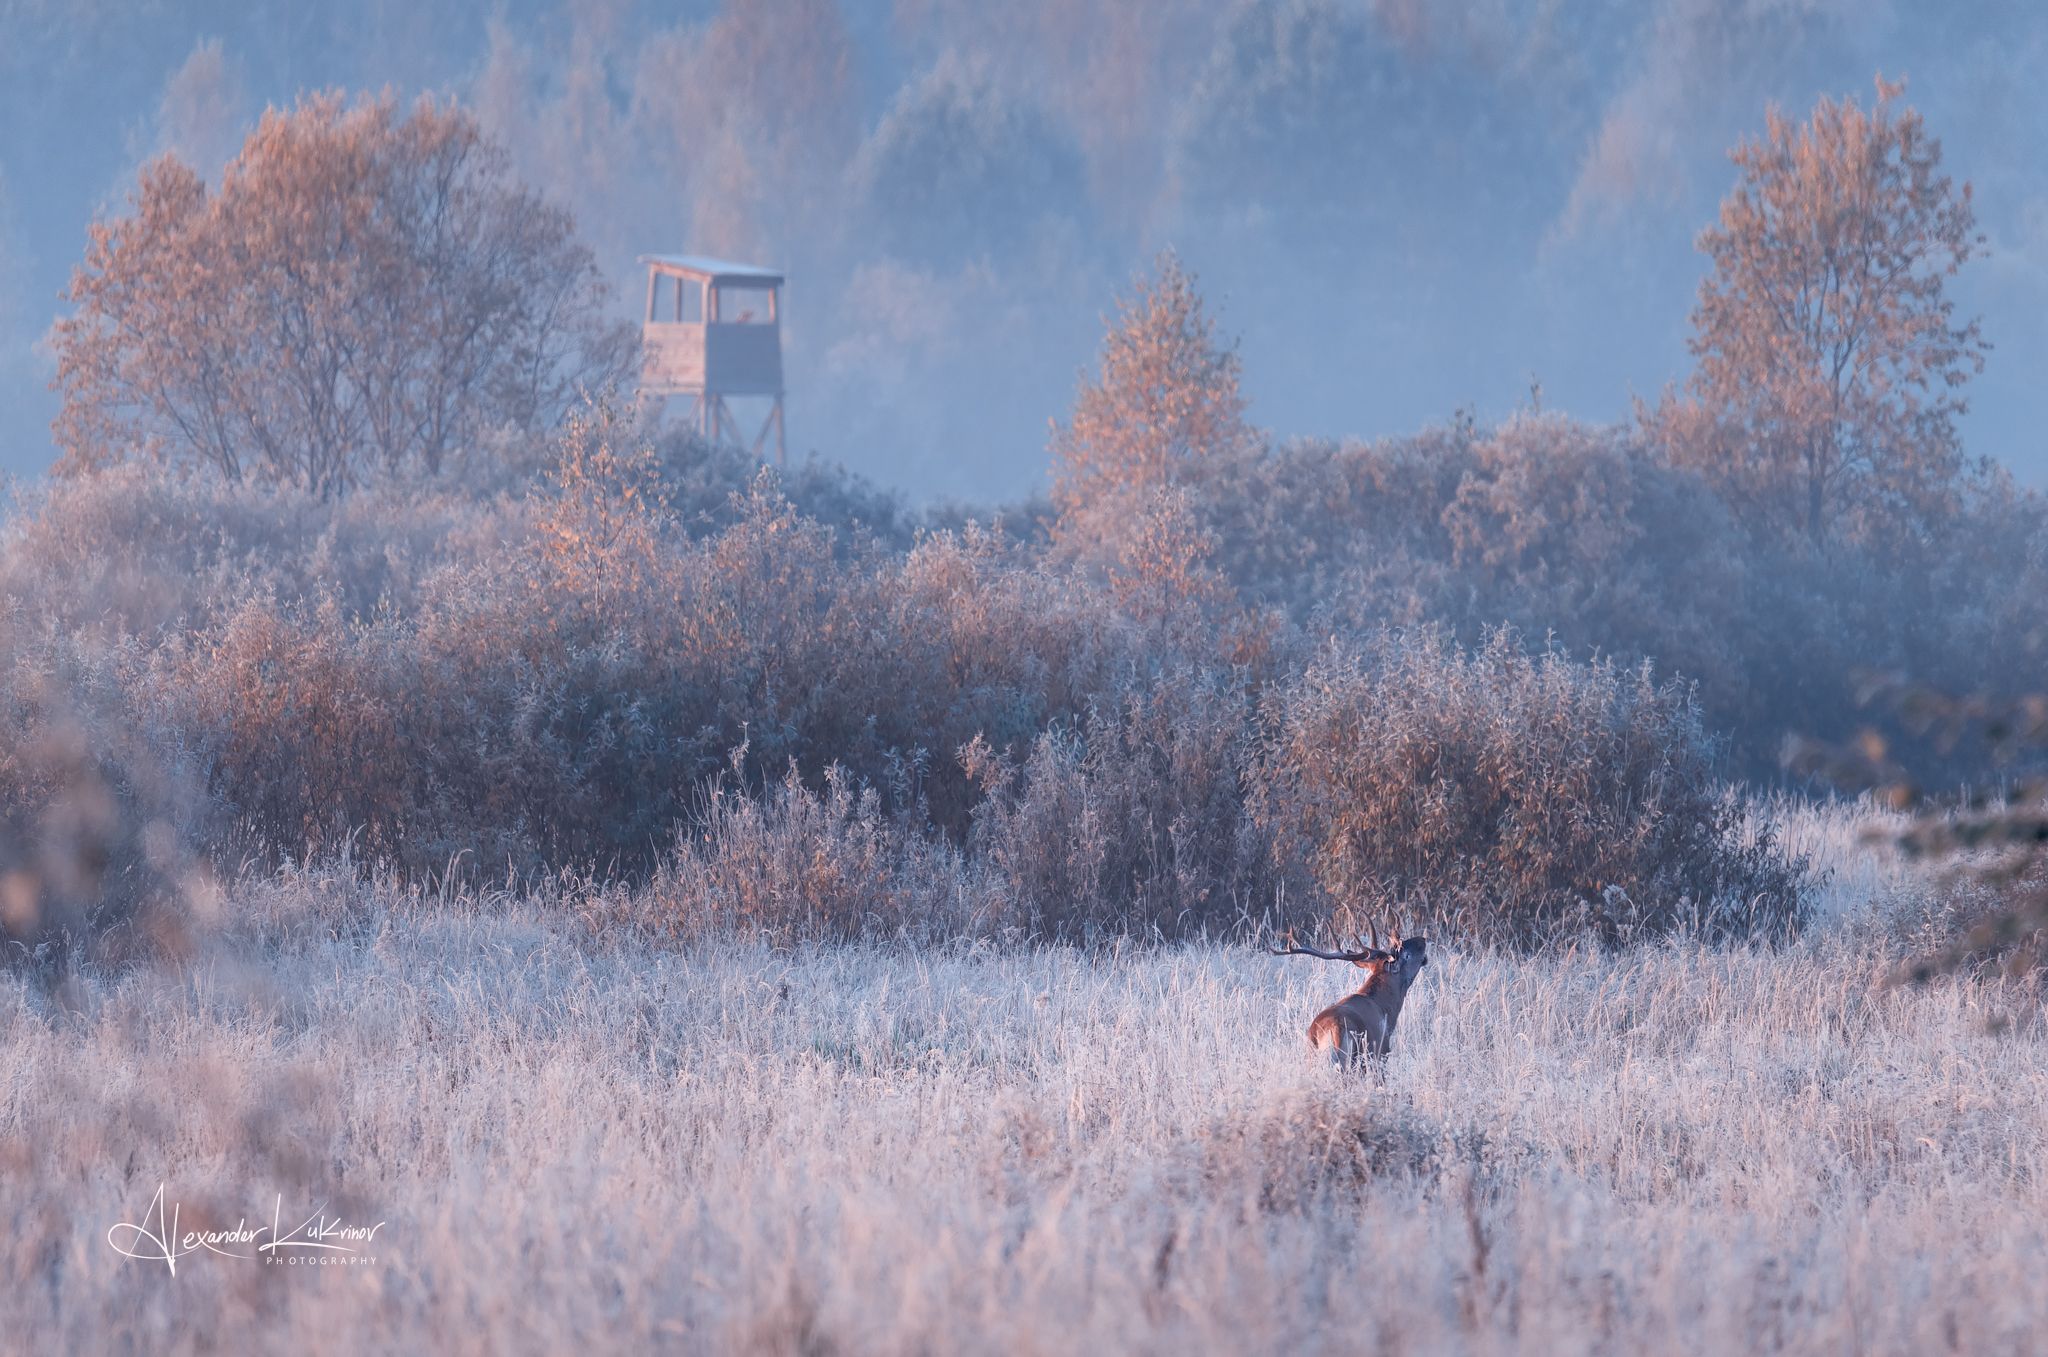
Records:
x=1509, y=796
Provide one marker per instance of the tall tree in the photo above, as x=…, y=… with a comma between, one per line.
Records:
x=1166, y=401
x=369, y=290
x=1830, y=362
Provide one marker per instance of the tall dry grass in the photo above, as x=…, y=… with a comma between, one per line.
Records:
x=582, y=1137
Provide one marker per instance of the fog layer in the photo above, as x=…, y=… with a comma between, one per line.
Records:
x=1402, y=209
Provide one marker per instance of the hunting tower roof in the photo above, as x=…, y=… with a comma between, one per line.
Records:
x=717, y=270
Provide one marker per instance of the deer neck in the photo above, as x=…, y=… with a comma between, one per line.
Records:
x=1386, y=988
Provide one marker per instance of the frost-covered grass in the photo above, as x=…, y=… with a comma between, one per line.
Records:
x=587, y=1140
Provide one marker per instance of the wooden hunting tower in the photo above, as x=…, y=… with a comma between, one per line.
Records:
x=713, y=333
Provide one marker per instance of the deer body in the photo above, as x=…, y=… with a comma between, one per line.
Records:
x=1362, y=1024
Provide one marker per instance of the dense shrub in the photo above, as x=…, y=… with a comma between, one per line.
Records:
x=1506, y=795
x=797, y=864
x=1589, y=538
x=547, y=678
x=1133, y=820
x=539, y=703
x=704, y=485
x=910, y=730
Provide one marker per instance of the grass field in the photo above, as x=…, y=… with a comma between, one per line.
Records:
x=581, y=1139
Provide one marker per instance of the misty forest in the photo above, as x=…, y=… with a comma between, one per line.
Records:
x=733, y=681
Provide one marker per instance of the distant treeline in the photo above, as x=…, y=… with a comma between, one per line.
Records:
x=340, y=584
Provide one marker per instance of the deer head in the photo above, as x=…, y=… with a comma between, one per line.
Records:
x=1407, y=959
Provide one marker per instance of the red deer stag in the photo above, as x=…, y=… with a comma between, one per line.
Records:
x=1363, y=1024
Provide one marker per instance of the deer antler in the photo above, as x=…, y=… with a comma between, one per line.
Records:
x=1365, y=954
